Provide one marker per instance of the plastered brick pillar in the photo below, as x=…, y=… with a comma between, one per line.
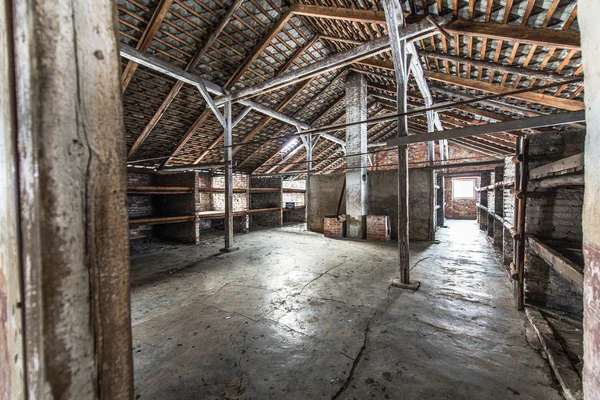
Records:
x=356, y=143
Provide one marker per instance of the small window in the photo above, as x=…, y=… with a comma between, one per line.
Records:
x=463, y=188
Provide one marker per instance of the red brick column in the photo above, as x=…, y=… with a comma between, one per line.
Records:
x=379, y=228
x=333, y=227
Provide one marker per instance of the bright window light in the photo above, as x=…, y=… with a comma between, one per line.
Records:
x=463, y=188
x=289, y=145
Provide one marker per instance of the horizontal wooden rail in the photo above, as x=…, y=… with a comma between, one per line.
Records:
x=160, y=220
x=560, y=167
x=566, y=268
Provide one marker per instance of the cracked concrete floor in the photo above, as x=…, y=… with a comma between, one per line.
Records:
x=294, y=315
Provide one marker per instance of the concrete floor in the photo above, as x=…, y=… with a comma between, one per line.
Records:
x=294, y=315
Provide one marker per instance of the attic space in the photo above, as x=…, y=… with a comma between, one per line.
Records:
x=299, y=199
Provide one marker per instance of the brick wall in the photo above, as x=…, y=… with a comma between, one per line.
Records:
x=141, y=179
x=460, y=208
x=265, y=200
x=333, y=227
x=240, y=200
x=297, y=198
x=379, y=228
x=553, y=216
x=508, y=208
x=139, y=206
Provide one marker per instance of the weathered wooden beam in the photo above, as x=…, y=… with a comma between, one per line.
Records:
x=525, y=123
x=365, y=50
x=557, y=181
x=73, y=218
x=566, y=268
x=195, y=80
x=339, y=13
x=547, y=100
x=146, y=39
x=285, y=102
x=508, y=69
x=209, y=41
x=395, y=21
x=260, y=47
x=227, y=142
x=564, y=39
x=559, y=167
x=489, y=103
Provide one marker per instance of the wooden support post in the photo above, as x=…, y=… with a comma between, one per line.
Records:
x=73, y=238
x=483, y=201
x=308, y=143
x=521, y=181
x=395, y=20
x=228, y=179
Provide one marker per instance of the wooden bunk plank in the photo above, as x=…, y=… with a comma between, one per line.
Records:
x=560, y=167
x=259, y=210
x=160, y=220
x=159, y=188
x=566, y=268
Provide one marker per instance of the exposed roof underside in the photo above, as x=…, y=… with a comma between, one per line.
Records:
x=264, y=38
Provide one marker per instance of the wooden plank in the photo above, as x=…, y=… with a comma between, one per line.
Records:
x=339, y=13
x=566, y=39
x=569, y=164
x=509, y=69
x=547, y=100
x=160, y=188
x=558, y=181
x=261, y=210
x=146, y=40
x=264, y=190
x=219, y=190
x=160, y=220
x=567, y=376
x=534, y=36
x=525, y=123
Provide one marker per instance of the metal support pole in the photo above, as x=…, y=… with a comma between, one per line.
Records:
x=228, y=179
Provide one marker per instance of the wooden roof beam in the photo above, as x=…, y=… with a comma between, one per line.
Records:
x=260, y=47
x=365, y=50
x=544, y=99
x=195, y=80
x=525, y=123
x=509, y=69
x=212, y=37
x=564, y=39
x=146, y=39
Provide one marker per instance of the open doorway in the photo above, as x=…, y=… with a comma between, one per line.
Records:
x=461, y=201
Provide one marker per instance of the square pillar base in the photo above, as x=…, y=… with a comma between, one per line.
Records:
x=414, y=285
x=356, y=226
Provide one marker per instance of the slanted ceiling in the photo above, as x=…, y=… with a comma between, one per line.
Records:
x=168, y=126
